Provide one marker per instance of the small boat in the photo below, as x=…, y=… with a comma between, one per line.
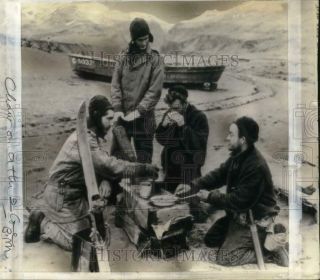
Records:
x=206, y=77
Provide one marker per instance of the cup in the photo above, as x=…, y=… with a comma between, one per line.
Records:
x=145, y=189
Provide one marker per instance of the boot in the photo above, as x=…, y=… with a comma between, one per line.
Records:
x=32, y=233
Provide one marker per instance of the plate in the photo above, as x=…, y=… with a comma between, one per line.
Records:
x=163, y=200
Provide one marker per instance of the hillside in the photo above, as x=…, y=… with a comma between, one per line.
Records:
x=85, y=23
x=253, y=27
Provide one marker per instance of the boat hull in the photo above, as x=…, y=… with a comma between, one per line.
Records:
x=204, y=76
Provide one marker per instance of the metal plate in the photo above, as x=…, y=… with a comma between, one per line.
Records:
x=163, y=200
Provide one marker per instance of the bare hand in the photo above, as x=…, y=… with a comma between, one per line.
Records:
x=105, y=189
x=132, y=116
x=203, y=195
x=166, y=121
x=177, y=118
x=182, y=190
x=152, y=170
x=118, y=115
x=98, y=205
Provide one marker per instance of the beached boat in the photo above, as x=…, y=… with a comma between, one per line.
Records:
x=205, y=77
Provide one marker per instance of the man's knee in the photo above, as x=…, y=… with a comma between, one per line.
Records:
x=52, y=233
x=217, y=233
x=211, y=240
x=235, y=257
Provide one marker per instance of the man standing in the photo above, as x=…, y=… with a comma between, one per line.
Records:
x=249, y=187
x=62, y=210
x=136, y=89
x=183, y=132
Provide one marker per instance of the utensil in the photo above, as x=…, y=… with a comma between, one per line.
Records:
x=166, y=200
x=186, y=197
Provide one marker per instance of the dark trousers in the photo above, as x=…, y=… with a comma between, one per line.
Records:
x=141, y=130
x=234, y=241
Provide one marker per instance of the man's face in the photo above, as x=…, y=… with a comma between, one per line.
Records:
x=142, y=42
x=234, y=142
x=107, y=120
x=177, y=105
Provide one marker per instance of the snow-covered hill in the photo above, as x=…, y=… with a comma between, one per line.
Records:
x=252, y=27
x=85, y=23
x=255, y=26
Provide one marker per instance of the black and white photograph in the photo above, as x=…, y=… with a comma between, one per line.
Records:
x=160, y=137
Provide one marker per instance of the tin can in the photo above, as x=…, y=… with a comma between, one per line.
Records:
x=145, y=189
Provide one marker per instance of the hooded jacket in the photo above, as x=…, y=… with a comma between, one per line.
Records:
x=64, y=199
x=137, y=81
x=185, y=147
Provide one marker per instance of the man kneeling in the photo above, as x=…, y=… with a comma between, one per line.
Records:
x=249, y=187
x=62, y=210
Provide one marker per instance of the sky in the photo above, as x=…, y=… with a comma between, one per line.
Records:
x=172, y=11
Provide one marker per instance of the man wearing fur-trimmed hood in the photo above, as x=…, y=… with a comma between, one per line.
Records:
x=136, y=89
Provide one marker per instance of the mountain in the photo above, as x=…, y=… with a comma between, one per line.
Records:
x=255, y=26
x=85, y=23
x=252, y=27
